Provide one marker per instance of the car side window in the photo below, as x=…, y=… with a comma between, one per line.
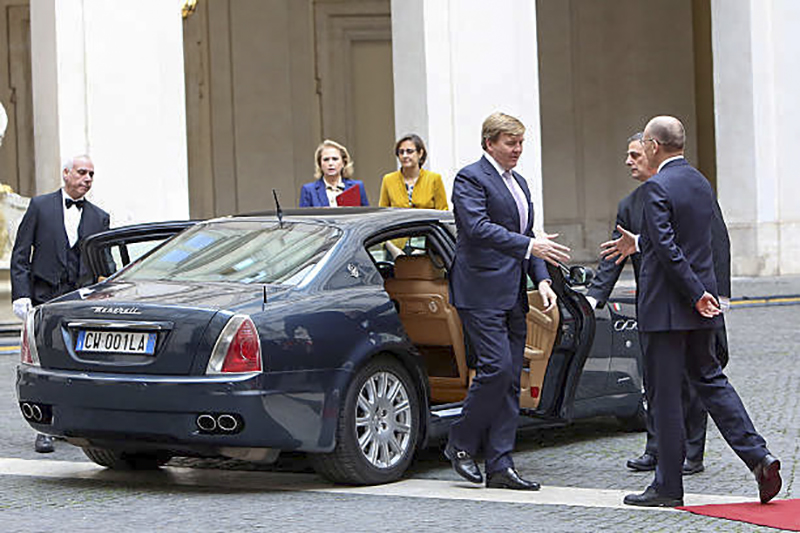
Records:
x=358, y=271
x=386, y=252
x=124, y=253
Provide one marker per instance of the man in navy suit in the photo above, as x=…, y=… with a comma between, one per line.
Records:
x=629, y=218
x=678, y=311
x=46, y=259
x=495, y=250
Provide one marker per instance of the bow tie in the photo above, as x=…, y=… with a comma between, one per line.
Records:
x=334, y=187
x=69, y=202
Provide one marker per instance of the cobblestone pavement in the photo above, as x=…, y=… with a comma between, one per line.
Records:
x=763, y=368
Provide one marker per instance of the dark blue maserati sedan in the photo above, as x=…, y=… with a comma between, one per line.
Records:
x=325, y=331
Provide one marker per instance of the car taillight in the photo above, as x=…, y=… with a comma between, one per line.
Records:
x=28, y=353
x=238, y=348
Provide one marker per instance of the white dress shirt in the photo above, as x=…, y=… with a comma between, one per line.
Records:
x=72, y=218
x=332, y=191
x=669, y=160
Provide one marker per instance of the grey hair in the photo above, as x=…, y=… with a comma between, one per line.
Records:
x=638, y=136
x=69, y=163
x=668, y=131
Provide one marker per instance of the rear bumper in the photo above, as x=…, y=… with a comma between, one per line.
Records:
x=285, y=411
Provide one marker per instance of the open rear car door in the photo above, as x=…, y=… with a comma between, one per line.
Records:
x=111, y=250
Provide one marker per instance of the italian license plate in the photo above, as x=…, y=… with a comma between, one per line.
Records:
x=116, y=342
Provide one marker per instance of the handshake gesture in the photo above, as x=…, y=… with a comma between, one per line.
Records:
x=546, y=248
x=619, y=248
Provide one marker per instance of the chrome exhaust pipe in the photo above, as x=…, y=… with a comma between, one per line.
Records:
x=27, y=412
x=37, y=413
x=206, y=422
x=227, y=422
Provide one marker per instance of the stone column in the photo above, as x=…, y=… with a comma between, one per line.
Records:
x=455, y=63
x=108, y=80
x=756, y=74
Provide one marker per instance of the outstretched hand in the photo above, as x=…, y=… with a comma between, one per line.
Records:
x=620, y=248
x=546, y=248
x=707, y=306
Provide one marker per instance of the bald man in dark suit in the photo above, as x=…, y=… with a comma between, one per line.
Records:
x=629, y=217
x=678, y=311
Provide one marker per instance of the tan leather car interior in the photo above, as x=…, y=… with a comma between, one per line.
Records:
x=542, y=332
x=421, y=294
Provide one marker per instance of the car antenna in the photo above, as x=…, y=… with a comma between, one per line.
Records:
x=278, y=211
x=264, y=302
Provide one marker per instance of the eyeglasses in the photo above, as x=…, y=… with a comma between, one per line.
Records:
x=644, y=141
x=84, y=171
x=409, y=151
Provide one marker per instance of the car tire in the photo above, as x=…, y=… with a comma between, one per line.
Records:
x=117, y=460
x=377, y=429
x=637, y=421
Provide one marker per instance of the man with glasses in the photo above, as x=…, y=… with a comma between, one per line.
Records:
x=46, y=260
x=629, y=217
x=678, y=311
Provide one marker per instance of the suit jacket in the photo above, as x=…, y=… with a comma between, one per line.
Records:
x=629, y=216
x=39, y=257
x=428, y=192
x=677, y=261
x=313, y=194
x=489, y=266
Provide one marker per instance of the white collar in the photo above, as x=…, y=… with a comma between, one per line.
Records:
x=669, y=160
x=500, y=170
x=339, y=184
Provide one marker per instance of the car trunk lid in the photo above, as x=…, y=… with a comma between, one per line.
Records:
x=144, y=328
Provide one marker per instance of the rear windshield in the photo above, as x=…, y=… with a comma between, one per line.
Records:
x=237, y=251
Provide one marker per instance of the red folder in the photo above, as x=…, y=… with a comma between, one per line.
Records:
x=351, y=197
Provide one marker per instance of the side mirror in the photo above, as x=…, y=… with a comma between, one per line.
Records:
x=580, y=276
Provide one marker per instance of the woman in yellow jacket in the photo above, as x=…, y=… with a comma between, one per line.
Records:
x=412, y=186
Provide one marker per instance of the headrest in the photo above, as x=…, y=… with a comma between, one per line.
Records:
x=416, y=267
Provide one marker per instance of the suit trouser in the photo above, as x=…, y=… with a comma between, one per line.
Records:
x=669, y=356
x=695, y=417
x=490, y=414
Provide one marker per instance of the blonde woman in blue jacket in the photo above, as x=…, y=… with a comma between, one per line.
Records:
x=334, y=168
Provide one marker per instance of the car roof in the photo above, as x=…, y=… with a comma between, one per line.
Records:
x=350, y=216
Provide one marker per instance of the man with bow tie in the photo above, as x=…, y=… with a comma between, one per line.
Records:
x=46, y=260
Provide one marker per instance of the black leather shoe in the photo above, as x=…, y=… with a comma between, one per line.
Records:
x=43, y=444
x=644, y=463
x=768, y=475
x=463, y=463
x=651, y=498
x=509, y=479
x=692, y=467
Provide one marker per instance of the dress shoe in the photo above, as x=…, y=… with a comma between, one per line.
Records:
x=463, y=463
x=768, y=475
x=651, y=498
x=508, y=478
x=692, y=467
x=43, y=444
x=644, y=463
